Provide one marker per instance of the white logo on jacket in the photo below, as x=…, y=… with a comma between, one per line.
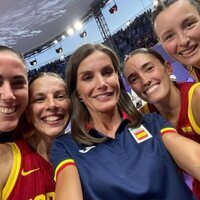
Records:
x=86, y=149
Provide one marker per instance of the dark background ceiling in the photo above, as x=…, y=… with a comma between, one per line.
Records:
x=27, y=24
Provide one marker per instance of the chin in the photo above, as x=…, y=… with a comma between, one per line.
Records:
x=55, y=133
x=5, y=127
x=197, y=63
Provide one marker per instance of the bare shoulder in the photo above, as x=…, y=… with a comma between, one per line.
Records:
x=5, y=152
x=6, y=157
x=197, y=90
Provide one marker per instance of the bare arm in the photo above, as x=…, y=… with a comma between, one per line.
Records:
x=196, y=105
x=6, y=158
x=68, y=186
x=185, y=152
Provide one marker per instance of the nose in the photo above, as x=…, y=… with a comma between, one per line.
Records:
x=183, y=39
x=51, y=104
x=101, y=82
x=6, y=92
x=144, y=80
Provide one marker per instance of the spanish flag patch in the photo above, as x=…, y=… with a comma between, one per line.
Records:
x=140, y=134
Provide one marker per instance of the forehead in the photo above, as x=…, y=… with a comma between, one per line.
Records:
x=176, y=12
x=10, y=62
x=140, y=59
x=94, y=60
x=47, y=83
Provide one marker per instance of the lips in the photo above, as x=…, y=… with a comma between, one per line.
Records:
x=53, y=118
x=7, y=111
x=151, y=89
x=103, y=96
x=189, y=51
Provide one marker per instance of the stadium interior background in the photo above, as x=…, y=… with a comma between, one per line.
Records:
x=136, y=32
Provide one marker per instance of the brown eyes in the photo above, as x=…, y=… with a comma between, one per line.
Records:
x=42, y=98
x=15, y=84
x=107, y=71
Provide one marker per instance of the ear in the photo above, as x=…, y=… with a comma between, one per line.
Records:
x=81, y=99
x=169, y=68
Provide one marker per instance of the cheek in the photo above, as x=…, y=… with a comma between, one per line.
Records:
x=34, y=113
x=66, y=107
x=136, y=87
x=198, y=33
x=83, y=89
x=114, y=82
x=169, y=47
x=23, y=95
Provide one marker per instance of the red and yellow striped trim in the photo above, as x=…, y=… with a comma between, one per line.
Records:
x=190, y=114
x=168, y=130
x=62, y=165
x=14, y=171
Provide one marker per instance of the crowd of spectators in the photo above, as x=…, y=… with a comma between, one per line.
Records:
x=139, y=33
x=57, y=66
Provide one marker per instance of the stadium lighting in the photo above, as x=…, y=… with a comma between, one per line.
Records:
x=59, y=50
x=33, y=62
x=55, y=41
x=62, y=57
x=63, y=36
x=70, y=31
x=78, y=25
x=128, y=23
x=83, y=34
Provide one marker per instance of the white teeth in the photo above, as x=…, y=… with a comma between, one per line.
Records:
x=51, y=119
x=152, y=89
x=7, y=111
x=187, y=51
x=101, y=97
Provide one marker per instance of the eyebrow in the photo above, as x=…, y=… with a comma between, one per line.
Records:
x=188, y=19
x=43, y=93
x=84, y=72
x=19, y=77
x=142, y=67
x=146, y=64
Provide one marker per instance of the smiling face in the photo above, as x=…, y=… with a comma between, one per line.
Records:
x=97, y=83
x=148, y=77
x=13, y=90
x=49, y=107
x=178, y=29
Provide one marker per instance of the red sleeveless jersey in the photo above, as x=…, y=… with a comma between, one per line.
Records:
x=186, y=125
x=31, y=176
